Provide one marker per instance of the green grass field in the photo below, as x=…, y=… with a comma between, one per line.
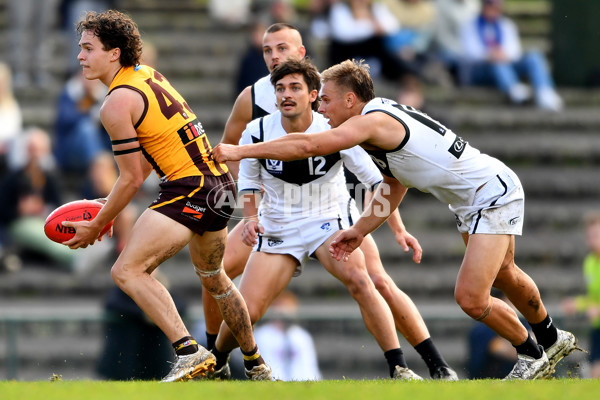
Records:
x=575, y=389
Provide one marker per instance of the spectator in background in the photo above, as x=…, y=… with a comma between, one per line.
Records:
x=289, y=347
x=413, y=41
x=358, y=29
x=252, y=65
x=233, y=13
x=29, y=27
x=451, y=16
x=11, y=120
x=493, y=56
x=79, y=135
x=590, y=302
x=27, y=196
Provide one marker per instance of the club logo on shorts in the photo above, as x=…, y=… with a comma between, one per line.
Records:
x=458, y=223
x=514, y=221
x=326, y=226
x=274, y=242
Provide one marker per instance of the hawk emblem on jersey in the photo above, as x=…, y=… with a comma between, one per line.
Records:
x=274, y=166
x=274, y=242
x=326, y=226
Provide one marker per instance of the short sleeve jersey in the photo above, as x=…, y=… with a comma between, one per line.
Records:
x=172, y=139
x=292, y=189
x=264, y=102
x=431, y=158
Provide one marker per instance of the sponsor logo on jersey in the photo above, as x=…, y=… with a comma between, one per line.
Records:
x=274, y=242
x=190, y=131
x=458, y=147
x=274, y=165
x=326, y=226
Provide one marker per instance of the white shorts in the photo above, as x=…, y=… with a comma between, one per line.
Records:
x=299, y=239
x=350, y=213
x=498, y=207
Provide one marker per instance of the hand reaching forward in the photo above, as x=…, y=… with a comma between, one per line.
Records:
x=407, y=242
x=250, y=232
x=225, y=152
x=345, y=243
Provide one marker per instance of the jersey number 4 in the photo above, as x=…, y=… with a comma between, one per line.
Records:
x=162, y=95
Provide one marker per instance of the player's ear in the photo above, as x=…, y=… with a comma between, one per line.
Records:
x=349, y=99
x=115, y=54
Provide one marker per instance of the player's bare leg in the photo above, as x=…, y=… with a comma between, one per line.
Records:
x=265, y=277
x=234, y=262
x=407, y=319
x=375, y=312
x=207, y=255
x=482, y=262
x=145, y=250
x=485, y=256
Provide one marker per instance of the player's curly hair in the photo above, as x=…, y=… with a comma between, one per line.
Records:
x=352, y=75
x=115, y=30
x=304, y=67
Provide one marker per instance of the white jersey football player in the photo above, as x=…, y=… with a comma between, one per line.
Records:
x=414, y=151
x=281, y=42
x=298, y=217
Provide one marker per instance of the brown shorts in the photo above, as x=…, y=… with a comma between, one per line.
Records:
x=201, y=203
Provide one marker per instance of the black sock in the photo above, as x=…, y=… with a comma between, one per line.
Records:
x=545, y=332
x=210, y=340
x=395, y=357
x=431, y=355
x=529, y=348
x=222, y=357
x=186, y=345
x=252, y=358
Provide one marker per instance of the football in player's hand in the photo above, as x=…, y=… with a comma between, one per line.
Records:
x=78, y=210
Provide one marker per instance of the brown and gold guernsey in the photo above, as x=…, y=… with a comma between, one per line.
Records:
x=172, y=139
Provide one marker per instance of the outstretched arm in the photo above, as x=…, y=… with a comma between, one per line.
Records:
x=387, y=197
x=402, y=236
x=297, y=146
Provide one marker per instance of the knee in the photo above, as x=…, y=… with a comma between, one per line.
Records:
x=382, y=284
x=358, y=283
x=119, y=275
x=473, y=304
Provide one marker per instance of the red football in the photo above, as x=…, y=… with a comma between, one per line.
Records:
x=78, y=210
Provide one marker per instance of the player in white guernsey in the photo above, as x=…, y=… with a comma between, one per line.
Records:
x=298, y=216
x=413, y=150
x=282, y=41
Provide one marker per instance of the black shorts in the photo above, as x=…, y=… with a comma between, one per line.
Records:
x=201, y=203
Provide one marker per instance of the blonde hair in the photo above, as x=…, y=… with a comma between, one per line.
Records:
x=352, y=75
